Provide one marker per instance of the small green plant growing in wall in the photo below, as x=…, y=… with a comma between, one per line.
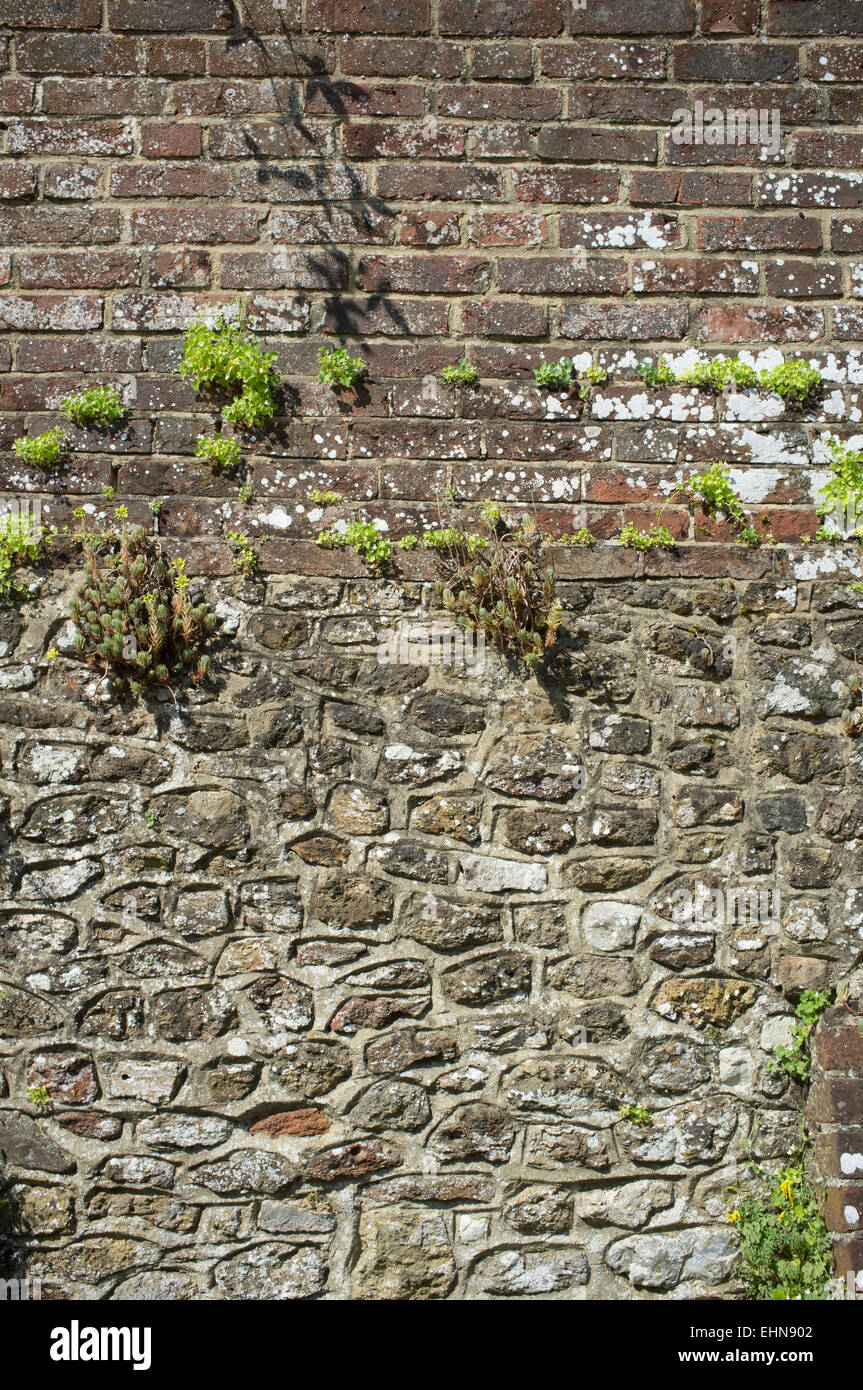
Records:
x=363, y=538
x=656, y=537
x=38, y=1095
x=97, y=405
x=133, y=615
x=843, y=491
x=713, y=492
x=245, y=555
x=221, y=451
x=324, y=497
x=784, y=1245
x=795, y=1060
x=594, y=376
x=225, y=357
x=338, y=369
x=504, y=589
x=658, y=374
x=715, y=373
x=636, y=1115
x=554, y=376
x=795, y=381
x=462, y=374
x=20, y=544
x=42, y=450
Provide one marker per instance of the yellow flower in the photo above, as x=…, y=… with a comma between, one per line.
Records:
x=733, y=1216
x=787, y=1190
x=52, y=654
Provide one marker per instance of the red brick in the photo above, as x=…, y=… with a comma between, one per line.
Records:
x=625, y=104
x=161, y=140
x=170, y=16
x=50, y=313
x=508, y=61
x=355, y=226
x=300, y=183
x=277, y=58
x=79, y=270
x=17, y=181
x=366, y=99
x=846, y=234
x=729, y=16
x=595, y=144
x=175, y=57
x=162, y=226
x=798, y=973
x=604, y=60
x=840, y=1155
x=52, y=14
x=16, y=96
x=82, y=355
x=168, y=181
x=41, y=136
x=813, y=17
x=499, y=18
x=536, y=185
x=444, y=183
x=416, y=439
x=691, y=188
x=286, y=313
x=838, y=1041
x=848, y=322
x=105, y=54
x=499, y=103
x=761, y=323
x=797, y=233
x=845, y=105
x=73, y=182
x=368, y=16
x=825, y=149
x=403, y=140
x=103, y=96
x=271, y=141
x=810, y=190
x=562, y=274
x=428, y=228
x=613, y=230
x=180, y=270
x=731, y=62
x=391, y=317
x=507, y=229
x=253, y=270
x=425, y=275
x=401, y=58
x=650, y=17
x=503, y=318
x=614, y=322
x=835, y=62
x=803, y=279
x=836, y=1100
x=796, y=103
x=273, y=16
x=842, y=1208
x=294, y=1122
x=160, y=312
x=691, y=275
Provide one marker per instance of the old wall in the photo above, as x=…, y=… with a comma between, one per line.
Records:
x=338, y=975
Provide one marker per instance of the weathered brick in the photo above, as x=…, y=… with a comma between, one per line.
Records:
x=617, y=230
x=562, y=274
x=586, y=61
x=428, y=228
x=650, y=17
x=106, y=54
x=759, y=233
x=595, y=144
x=490, y=62
x=828, y=149
x=168, y=181
x=103, y=96
x=50, y=313
x=254, y=270
x=613, y=322
x=499, y=102
x=266, y=140
x=729, y=62
x=836, y=1100
x=159, y=312
x=507, y=229
x=368, y=16
x=803, y=279
x=623, y=105
x=52, y=14
x=846, y=234
x=692, y=188
x=811, y=190
x=42, y=136
x=537, y=185
x=161, y=226
x=170, y=16
x=16, y=96
x=73, y=182
x=401, y=58
x=502, y=318
x=277, y=58
x=363, y=99
x=497, y=18
x=440, y=182
x=835, y=62
x=17, y=181
x=760, y=323
x=391, y=317
x=403, y=140
x=729, y=16
x=175, y=57
x=692, y=275
x=812, y=17
x=429, y=275
x=360, y=226
x=180, y=270
x=79, y=270
x=160, y=140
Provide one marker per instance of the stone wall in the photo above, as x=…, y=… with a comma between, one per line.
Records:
x=337, y=973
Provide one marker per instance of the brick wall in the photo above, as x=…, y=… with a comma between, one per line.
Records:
x=420, y=180
x=835, y=1107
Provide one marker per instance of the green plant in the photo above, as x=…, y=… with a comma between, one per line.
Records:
x=156, y=504
x=108, y=492
x=581, y=537
x=244, y=492
x=636, y=1115
x=662, y=374
x=338, y=369
x=245, y=554
x=134, y=619
x=593, y=376
x=97, y=405
x=323, y=497
x=43, y=450
x=843, y=492
x=795, y=381
x=363, y=537
x=225, y=357
x=784, y=1245
x=795, y=1060
x=716, y=373
x=656, y=537
x=712, y=491
x=20, y=544
x=38, y=1095
x=554, y=376
x=501, y=587
x=446, y=538
x=222, y=451
x=462, y=374
x=151, y=820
